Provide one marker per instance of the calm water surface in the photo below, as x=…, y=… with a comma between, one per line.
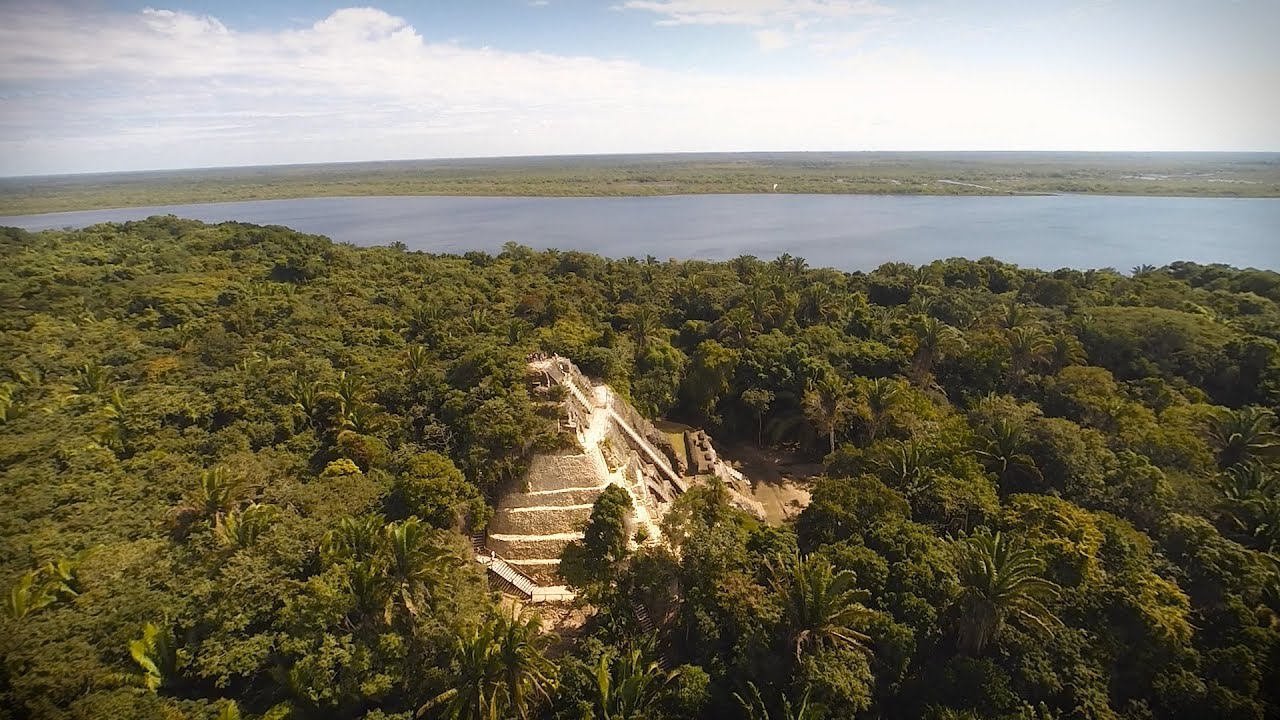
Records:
x=851, y=232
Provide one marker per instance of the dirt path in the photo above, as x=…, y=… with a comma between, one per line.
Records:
x=779, y=482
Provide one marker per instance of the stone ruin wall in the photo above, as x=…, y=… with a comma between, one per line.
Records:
x=646, y=430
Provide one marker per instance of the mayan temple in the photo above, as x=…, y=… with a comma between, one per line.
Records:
x=613, y=444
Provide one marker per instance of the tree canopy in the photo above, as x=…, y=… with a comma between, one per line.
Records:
x=240, y=464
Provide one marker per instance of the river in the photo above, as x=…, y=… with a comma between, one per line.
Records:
x=850, y=232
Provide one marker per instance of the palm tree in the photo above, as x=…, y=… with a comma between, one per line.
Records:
x=882, y=319
x=1001, y=582
x=92, y=379
x=788, y=305
x=1014, y=316
x=934, y=341
x=1266, y=522
x=817, y=302
x=478, y=320
x=1065, y=350
x=475, y=692
x=216, y=494
x=784, y=266
x=759, y=400
x=762, y=304
x=919, y=305
x=241, y=528
x=10, y=408
x=1001, y=450
x=156, y=654
x=414, y=563
x=503, y=671
x=645, y=322
x=925, y=275
x=907, y=468
x=745, y=266
x=879, y=397
x=429, y=322
x=354, y=539
x=1251, y=499
x=826, y=406
x=1244, y=481
x=821, y=607
x=40, y=588
x=348, y=389
x=305, y=395
x=115, y=432
x=1244, y=434
x=738, y=326
x=754, y=707
x=627, y=688
x=416, y=359
x=28, y=595
x=1028, y=346
x=364, y=418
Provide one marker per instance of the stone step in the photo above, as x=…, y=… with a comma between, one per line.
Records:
x=545, y=520
x=560, y=496
x=531, y=547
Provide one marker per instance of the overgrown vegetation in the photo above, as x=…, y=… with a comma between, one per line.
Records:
x=239, y=464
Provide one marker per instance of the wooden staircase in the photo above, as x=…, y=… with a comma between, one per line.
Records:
x=511, y=579
x=642, y=616
x=646, y=625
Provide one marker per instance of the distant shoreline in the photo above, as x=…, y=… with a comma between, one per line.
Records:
x=979, y=174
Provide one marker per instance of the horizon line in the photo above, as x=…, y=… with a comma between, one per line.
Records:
x=464, y=158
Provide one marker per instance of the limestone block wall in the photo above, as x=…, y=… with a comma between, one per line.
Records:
x=560, y=471
x=519, y=547
x=545, y=520
x=568, y=496
x=542, y=573
x=645, y=429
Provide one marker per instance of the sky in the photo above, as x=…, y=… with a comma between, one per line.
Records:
x=109, y=85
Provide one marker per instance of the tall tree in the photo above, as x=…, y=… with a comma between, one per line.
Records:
x=1001, y=581
x=827, y=404
x=1028, y=347
x=414, y=562
x=759, y=400
x=1002, y=449
x=503, y=671
x=627, y=687
x=645, y=324
x=589, y=564
x=879, y=397
x=1244, y=434
x=934, y=340
x=819, y=605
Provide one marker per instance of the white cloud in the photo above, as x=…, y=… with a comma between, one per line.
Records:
x=755, y=12
x=770, y=40
x=821, y=26
x=172, y=89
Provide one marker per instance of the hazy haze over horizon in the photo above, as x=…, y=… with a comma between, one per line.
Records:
x=95, y=85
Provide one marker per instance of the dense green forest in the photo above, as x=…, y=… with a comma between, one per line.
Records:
x=240, y=463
